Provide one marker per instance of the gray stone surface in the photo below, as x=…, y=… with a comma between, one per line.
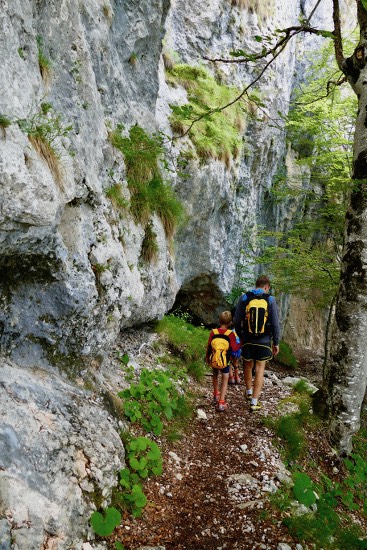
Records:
x=59, y=456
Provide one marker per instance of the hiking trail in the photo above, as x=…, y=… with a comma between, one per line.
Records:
x=216, y=481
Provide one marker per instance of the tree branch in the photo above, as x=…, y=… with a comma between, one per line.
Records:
x=338, y=43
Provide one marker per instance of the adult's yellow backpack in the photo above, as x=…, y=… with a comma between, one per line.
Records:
x=219, y=355
x=257, y=312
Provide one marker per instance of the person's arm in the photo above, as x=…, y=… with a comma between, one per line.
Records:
x=274, y=324
x=240, y=316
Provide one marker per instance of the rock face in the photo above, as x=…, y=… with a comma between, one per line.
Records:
x=59, y=455
x=72, y=274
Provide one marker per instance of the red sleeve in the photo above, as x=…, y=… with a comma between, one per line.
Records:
x=232, y=342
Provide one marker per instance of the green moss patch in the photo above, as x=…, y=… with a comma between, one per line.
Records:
x=218, y=134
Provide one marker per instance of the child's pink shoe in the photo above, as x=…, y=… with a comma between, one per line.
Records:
x=222, y=406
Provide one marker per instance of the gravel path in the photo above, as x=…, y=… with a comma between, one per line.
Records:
x=213, y=492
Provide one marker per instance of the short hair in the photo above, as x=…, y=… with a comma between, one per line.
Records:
x=262, y=281
x=225, y=318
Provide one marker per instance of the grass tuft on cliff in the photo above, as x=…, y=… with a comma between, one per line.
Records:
x=217, y=135
x=150, y=193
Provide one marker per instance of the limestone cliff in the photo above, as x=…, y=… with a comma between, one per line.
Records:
x=73, y=274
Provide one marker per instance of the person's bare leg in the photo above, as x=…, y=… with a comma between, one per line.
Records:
x=247, y=371
x=259, y=378
x=223, y=389
x=215, y=382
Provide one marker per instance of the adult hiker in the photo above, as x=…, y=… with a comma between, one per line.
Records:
x=257, y=323
x=221, y=343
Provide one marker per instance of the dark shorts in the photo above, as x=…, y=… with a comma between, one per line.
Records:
x=225, y=370
x=256, y=352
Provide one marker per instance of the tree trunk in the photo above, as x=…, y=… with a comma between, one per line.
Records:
x=345, y=379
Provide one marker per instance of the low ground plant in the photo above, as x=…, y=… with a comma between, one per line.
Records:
x=329, y=517
x=184, y=339
x=286, y=356
x=151, y=401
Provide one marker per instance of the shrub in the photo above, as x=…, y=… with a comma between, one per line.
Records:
x=44, y=62
x=149, y=247
x=115, y=194
x=286, y=356
x=44, y=130
x=186, y=340
x=4, y=121
x=150, y=193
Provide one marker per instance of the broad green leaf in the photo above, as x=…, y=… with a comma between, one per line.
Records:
x=104, y=526
x=303, y=489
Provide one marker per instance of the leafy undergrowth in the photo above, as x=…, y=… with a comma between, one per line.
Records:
x=209, y=483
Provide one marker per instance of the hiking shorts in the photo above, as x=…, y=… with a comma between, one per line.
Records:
x=225, y=370
x=257, y=352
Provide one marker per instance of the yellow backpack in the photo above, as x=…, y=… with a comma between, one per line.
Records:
x=257, y=312
x=219, y=355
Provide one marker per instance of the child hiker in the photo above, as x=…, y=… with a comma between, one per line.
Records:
x=222, y=341
x=234, y=363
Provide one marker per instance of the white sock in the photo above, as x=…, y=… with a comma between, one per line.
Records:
x=254, y=401
x=249, y=392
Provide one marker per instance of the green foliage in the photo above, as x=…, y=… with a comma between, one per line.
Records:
x=332, y=505
x=303, y=489
x=152, y=400
x=289, y=428
x=45, y=124
x=302, y=387
x=149, y=246
x=119, y=546
x=104, y=526
x=286, y=356
x=115, y=194
x=149, y=192
x=187, y=341
x=144, y=459
x=324, y=525
x=197, y=370
x=45, y=129
x=305, y=260
x=44, y=62
x=216, y=135
x=4, y=121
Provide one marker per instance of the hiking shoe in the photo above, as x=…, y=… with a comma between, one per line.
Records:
x=222, y=406
x=248, y=396
x=237, y=381
x=231, y=381
x=255, y=408
x=215, y=398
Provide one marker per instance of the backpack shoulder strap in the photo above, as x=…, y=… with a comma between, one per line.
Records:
x=215, y=331
x=227, y=332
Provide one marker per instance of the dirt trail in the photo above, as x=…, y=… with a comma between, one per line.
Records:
x=213, y=492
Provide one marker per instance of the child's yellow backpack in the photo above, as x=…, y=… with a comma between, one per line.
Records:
x=219, y=355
